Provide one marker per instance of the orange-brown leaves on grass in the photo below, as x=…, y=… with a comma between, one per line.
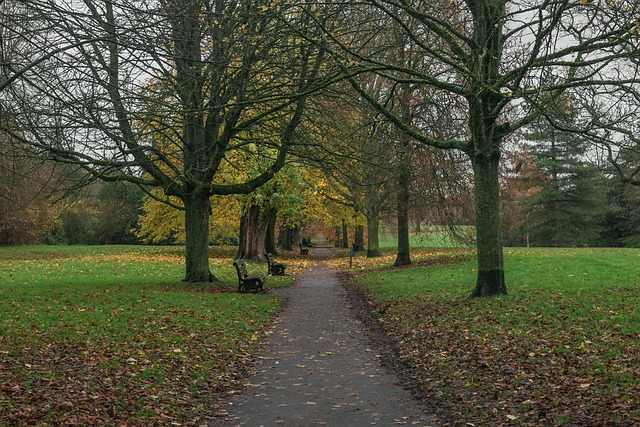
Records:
x=480, y=372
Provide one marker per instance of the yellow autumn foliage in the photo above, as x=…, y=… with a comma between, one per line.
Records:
x=325, y=206
x=162, y=223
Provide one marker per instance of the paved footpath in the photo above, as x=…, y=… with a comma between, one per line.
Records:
x=316, y=367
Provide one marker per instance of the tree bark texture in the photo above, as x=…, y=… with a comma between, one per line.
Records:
x=403, y=256
x=197, y=211
x=359, y=239
x=253, y=230
x=345, y=238
x=270, y=238
x=404, y=181
x=373, y=236
x=486, y=142
x=488, y=228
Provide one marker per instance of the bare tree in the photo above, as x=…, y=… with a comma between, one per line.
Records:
x=491, y=57
x=162, y=93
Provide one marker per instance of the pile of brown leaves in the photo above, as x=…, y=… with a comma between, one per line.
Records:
x=511, y=377
x=97, y=385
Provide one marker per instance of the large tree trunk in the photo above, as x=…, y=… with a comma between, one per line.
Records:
x=359, y=237
x=373, y=220
x=403, y=257
x=285, y=236
x=486, y=138
x=345, y=238
x=404, y=180
x=253, y=230
x=488, y=227
x=270, y=238
x=197, y=211
x=373, y=236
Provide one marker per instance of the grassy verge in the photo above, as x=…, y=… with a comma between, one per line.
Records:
x=419, y=256
x=110, y=336
x=562, y=349
x=432, y=237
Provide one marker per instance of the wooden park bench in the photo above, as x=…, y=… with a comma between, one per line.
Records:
x=303, y=250
x=275, y=268
x=246, y=282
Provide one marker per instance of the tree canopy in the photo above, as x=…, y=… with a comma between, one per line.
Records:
x=191, y=99
x=159, y=93
x=487, y=68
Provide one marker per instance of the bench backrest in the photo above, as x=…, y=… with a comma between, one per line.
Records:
x=269, y=258
x=241, y=268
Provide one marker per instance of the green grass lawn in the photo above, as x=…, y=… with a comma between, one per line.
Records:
x=432, y=237
x=110, y=335
x=562, y=349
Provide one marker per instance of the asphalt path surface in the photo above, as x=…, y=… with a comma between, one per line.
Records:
x=317, y=366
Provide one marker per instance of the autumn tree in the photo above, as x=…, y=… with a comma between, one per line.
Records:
x=319, y=210
x=162, y=223
x=352, y=146
x=360, y=179
x=281, y=200
x=490, y=57
x=522, y=179
x=296, y=205
x=208, y=76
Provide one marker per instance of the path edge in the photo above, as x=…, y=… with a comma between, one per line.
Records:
x=385, y=345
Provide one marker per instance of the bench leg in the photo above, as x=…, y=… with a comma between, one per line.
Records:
x=247, y=286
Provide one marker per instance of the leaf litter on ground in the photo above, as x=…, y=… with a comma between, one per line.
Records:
x=112, y=337
x=561, y=349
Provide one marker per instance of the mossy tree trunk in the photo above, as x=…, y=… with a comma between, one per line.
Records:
x=490, y=280
x=359, y=237
x=345, y=237
x=373, y=236
x=486, y=144
x=403, y=256
x=197, y=211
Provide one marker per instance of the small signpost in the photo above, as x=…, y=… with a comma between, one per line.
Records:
x=352, y=253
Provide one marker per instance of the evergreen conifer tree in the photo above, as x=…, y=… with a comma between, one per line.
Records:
x=571, y=207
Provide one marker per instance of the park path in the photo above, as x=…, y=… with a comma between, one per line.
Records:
x=317, y=367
